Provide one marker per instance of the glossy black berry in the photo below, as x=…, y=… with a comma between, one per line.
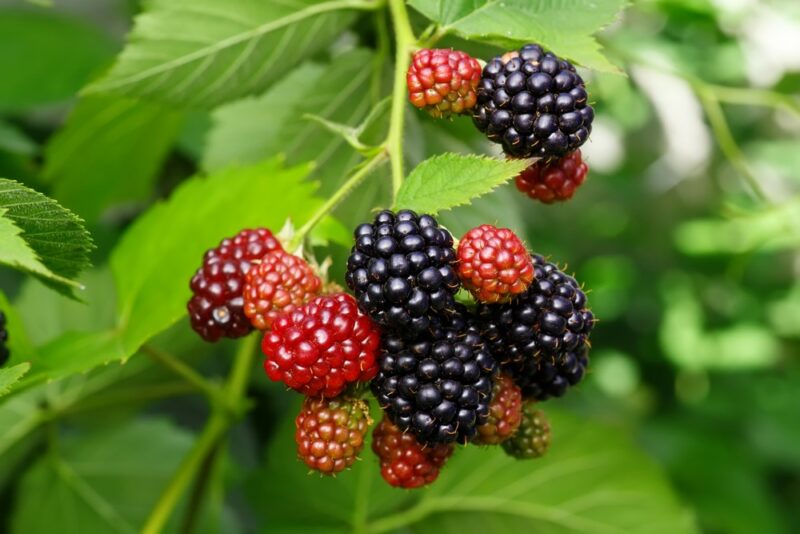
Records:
x=438, y=386
x=402, y=271
x=5, y=354
x=541, y=337
x=546, y=91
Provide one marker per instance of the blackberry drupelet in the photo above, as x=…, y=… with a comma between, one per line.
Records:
x=533, y=103
x=541, y=337
x=439, y=386
x=5, y=354
x=402, y=271
x=216, y=308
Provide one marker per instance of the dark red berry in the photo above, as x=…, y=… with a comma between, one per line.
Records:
x=216, y=307
x=330, y=433
x=321, y=347
x=405, y=463
x=505, y=412
x=555, y=181
x=443, y=81
x=278, y=283
x=493, y=264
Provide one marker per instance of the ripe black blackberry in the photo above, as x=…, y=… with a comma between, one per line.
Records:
x=541, y=337
x=439, y=387
x=4, y=352
x=533, y=103
x=402, y=270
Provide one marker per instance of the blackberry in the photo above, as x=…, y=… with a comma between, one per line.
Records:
x=439, y=386
x=216, y=308
x=554, y=180
x=5, y=354
x=533, y=437
x=541, y=337
x=405, y=463
x=443, y=81
x=402, y=270
x=505, y=412
x=533, y=103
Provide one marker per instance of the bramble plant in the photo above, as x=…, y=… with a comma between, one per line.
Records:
x=287, y=205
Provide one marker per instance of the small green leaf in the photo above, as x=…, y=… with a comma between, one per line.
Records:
x=40, y=237
x=565, y=27
x=11, y=375
x=112, y=147
x=101, y=482
x=203, y=52
x=50, y=55
x=450, y=180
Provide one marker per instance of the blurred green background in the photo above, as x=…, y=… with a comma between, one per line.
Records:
x=686, y=234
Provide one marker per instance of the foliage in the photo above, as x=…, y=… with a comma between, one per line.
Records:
x=215, y=116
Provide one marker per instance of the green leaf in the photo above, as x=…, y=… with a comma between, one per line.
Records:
x=50, y=55
x=449, y=180
x=15, y=141
x=203, y=53
x=40, y=237
x=112, y=147
x=11, y=375
x=563, y=26
x=593, y=479
x=102, y=482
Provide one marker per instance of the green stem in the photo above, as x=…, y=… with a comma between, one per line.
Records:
x=405, y=42
x=217, y=426
x=355, y=179
x=747, y=96
x=726, y=141
x=191, y=376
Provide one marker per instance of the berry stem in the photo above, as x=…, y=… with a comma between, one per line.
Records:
x=167, y=360
x=222, y=418
x=405, y=42
x=350, y=184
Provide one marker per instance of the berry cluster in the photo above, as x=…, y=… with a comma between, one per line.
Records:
x=443, y=373
x=530, y=101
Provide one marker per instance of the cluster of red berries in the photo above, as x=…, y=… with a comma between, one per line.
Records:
x=530, y=101
x=327, y=347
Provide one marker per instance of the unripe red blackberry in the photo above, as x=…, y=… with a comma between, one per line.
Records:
x=439, y=385
x=493, y=264
x=405, y=463
x=533, y=103
x=532, y=439
x=505, y=412
x=216, y=307
x=402, y=270
x=443, y=81
x=321, y=347
x=5, y=354
x=276, y=284
x=541, y=337
x=330, y=432
x=554, y=181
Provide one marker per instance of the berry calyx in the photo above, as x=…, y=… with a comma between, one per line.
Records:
x=493, y=264
x=5, y=354
x=532, y=439
x=402, y=270
x=405, y=463
x=443, y=81
x=278, y=283
x=533, y=103
x=330, y=432
x=505, y=412
x=554, y=181
x=541, y=337
x=216, y=308
x=321, y=347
